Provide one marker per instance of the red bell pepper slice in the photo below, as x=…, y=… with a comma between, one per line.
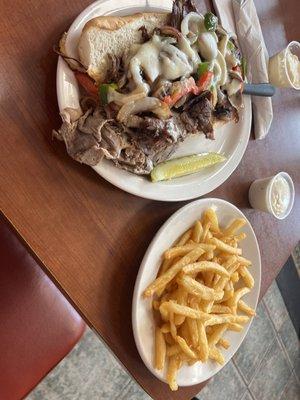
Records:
x=87, y=83
x=189, y=86
x=204, y=81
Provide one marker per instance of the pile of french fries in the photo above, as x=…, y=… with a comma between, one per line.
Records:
x=197, y=295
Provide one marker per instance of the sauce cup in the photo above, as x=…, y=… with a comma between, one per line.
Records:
x=279, y=74
x=260, y=194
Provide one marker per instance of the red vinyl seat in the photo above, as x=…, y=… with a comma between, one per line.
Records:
x=38, y=326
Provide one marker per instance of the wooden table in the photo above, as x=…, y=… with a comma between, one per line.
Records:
x=87, y=235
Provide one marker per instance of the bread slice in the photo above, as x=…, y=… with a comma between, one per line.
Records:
x=109, y=34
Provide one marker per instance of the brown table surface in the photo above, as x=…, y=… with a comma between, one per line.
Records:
x=89, y=236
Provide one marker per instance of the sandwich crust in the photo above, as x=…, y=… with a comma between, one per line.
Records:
x=112, y=23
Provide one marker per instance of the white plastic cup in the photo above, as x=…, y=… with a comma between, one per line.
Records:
x=260, y=194
x=279, y=75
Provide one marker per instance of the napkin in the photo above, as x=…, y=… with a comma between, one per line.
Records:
x=240, y=17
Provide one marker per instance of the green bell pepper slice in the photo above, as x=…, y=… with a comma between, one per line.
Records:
x=210, y=21
x=203, y=68
x=104, y=89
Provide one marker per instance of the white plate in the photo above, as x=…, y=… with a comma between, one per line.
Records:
x=142, y=315
x=231, y=139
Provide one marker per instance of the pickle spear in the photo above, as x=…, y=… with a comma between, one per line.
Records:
x=184, y=166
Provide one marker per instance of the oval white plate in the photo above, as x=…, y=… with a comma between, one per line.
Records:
x=142, y=315
x=232, y=139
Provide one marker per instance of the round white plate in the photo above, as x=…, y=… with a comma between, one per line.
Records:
x=142, y=314
x=231, y=139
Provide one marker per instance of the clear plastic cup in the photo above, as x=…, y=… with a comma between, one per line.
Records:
x=260, y=194
x=280, y=74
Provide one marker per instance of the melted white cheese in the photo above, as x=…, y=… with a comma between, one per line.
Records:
x=159, y=58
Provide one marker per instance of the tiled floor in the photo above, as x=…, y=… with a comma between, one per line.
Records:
x=266, y=367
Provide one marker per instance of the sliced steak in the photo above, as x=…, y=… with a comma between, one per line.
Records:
x=91, y=137
x=224, y=111
x=156, y=138
x=198, y=115
x=180, y=9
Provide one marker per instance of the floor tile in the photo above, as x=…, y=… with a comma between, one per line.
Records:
x=260, y=336
x=217, y=389
x=88, y=372
x=247, y=396
x=292, y=390
x=134, y=392
x=272, y=376
x=275, y=305
x=296, y=257
x=290, y=341
x=288, y=283
x=297, y=369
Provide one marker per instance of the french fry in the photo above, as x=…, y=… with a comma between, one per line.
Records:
x=197, y=289
x=181, y=296
x=216, y=280
x=225, y=247
x=246, y=276
x=160, y=349
x=209, y=235
x=173, y=329
x=234, y=226
x=208, y=256
x=231, y=266
x=179, y=251
x=233, y=326
x=206, y=305
x=169, y=339
x=235, y=277
x=211, y=216
x=216, y=355
x=241, y=260
x=220, y=309
x=245, y=308
x=233, y=301
x=240, y=236
x=165, y=328
x=183, y=331
x=205, y=266
x=215, y=336
x=228, y=294
x=179, y=319
x=197, y=232
x=207, y=247
x=229, y=262
x=216, y=319
x=174, y=365
x=185, y=348
x=189, y=312
x=172, y=350
x=229, y=286
x=203, y=345
x=164, y=279
x=206, y=228
x=193, y=330
x=184, y=238
x=224, y=343
x=165, y=266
